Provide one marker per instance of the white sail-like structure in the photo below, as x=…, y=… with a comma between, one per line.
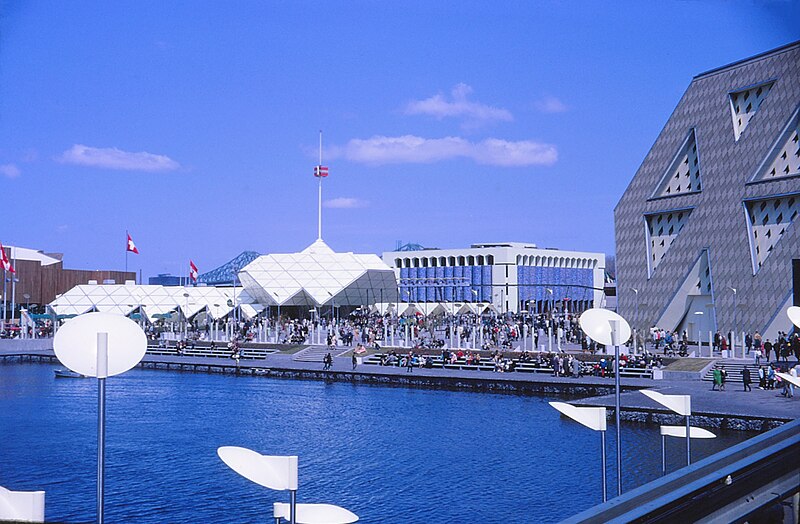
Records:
x=319, y=276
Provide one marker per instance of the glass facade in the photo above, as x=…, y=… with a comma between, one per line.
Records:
x=446, y=284
x=572, y=283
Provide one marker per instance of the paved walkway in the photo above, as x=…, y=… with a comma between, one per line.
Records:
x=733, y=402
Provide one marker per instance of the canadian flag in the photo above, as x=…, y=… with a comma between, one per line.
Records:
x=131, y=246
x=192, y=271
x=5, y=261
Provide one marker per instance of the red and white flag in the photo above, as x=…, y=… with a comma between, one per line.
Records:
x=131, y=246
x=320, y=171
x=6, y=263
x=192, y=271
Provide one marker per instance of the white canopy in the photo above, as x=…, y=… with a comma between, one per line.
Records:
x=318, y=276
x=150, y=299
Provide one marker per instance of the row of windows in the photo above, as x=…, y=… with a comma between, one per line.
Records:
x=480, y=260
x=535, y=260
x=488, y=260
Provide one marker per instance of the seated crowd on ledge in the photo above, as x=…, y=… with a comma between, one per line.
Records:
x=558, y=364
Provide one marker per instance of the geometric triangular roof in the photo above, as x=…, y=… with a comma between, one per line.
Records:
x=318, y=275
x=123, y=299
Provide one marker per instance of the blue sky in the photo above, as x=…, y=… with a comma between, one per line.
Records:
x=194, y=125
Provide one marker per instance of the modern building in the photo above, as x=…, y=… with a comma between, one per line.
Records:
x=153, y=301
x=318, y=278
x=512, y=276
x=41, y=276
x=707, y=229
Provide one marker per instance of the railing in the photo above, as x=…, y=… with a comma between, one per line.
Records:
x=730, y=486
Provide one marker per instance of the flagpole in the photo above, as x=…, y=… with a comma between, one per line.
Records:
x=5, y=282
x=127, y=235
x=14, y=283
x=319, y=203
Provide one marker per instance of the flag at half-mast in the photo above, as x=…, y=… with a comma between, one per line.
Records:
x=4, y=261
x=320, y=171
x=131, y=246
x=192, y=271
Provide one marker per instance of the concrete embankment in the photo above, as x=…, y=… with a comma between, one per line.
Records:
x=733, y=409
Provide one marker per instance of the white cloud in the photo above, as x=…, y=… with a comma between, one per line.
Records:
x=113, y=158
x=551, y=104
x=473, y=112
x=9, y=170
x=344, y=203
x=409, y=149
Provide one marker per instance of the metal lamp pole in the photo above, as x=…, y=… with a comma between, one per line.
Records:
x=615, y=326
x=635, y=320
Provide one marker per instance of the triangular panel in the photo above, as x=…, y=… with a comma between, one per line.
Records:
x=662, y=229
x=744, y=105
x=683, y=174
x=784, y=158
x=768, y=220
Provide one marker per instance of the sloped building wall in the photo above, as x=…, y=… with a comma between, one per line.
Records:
x=743, y=120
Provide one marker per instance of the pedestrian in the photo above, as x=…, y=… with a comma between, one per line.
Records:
x=723, y=377
x=717, y=374
x=746, y=379
x=355, y=360
x=410, y=362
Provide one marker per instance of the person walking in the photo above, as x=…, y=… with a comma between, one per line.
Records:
x=723, y=378
x=717, y=374
x=410, y=362
x=746, y=380
x=355, y=360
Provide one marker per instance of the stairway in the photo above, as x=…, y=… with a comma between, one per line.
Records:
x=734, y=369
x=315, y=353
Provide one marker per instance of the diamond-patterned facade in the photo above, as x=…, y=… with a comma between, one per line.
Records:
x=784, y=161
x=719, y=220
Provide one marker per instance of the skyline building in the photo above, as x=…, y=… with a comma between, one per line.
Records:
x=707, y=228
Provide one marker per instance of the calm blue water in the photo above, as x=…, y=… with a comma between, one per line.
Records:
x=388, y=454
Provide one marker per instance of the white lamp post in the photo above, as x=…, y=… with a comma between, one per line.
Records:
x=592, y=418
x=680, y=404
x=280, y=473
x=314, y=513
x=100, y=345
x=609, y=328
x=794, y=315
x=679, y=431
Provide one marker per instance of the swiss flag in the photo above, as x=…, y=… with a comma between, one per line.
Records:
x=192, y=271
x=131, y=246
x=6, y=263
